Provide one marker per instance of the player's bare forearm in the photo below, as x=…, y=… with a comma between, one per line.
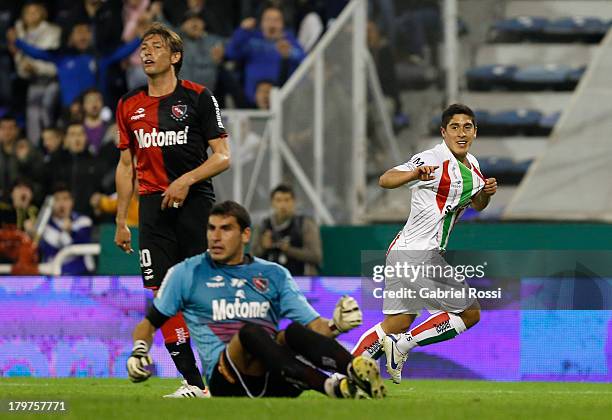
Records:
x=394, y=178
x=124, y=183
x=216, y=163
x=481, y=201
x=144, y=331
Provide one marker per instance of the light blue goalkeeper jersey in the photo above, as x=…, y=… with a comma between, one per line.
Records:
x=217, y=300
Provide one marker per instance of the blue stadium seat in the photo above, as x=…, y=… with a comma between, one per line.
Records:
x=515, y=122
x=506, y=171
x=496, y=76
x=576, y=28
x=540, y=77
x=548, y=122
x=575, y=75
x=517, y=29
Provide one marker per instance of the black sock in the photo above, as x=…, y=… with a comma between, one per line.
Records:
x=280, y=359
x=184, y=360
x=324, y=352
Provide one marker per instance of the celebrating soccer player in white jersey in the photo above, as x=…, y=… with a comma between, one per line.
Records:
x=445, y=180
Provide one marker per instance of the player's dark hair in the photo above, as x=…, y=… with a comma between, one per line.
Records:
x=170, y=38
x=8, y=117
x=231, y=208
x=455, y=109
x=272, y=6
x=61, y=187
x=22, y=182
x=90, y=91
x=282, y=188
x=55, y=130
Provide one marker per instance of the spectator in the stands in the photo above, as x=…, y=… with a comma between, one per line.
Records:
x=262, y=94
x=203, y=52
x=18, y=159
x=30, y=165
x=105, y=208
x=9, y=133
x=9, y=10
x=42, y=87
x=20, y=212
x=103, y=18
x=302, y=17
x=221, y=16
x=137, y=15
x=79, y=67
x=414, y=27
x=384, y=59
x=287, y=238
x=74, y=113
x=55, y=156
x=66, y=227
x=80, y=171
x=95, y=126
x=52, y=141
x=268, y=53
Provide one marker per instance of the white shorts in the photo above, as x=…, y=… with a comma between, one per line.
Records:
x=423, y=280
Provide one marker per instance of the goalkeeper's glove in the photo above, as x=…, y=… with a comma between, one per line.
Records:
x=138, y=361
x=347, y=316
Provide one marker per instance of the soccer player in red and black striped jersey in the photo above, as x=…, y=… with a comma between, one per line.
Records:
x=165, y=131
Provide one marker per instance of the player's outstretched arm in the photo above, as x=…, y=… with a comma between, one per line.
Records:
x=394, y=178
x=139, y=358
x=482, y=199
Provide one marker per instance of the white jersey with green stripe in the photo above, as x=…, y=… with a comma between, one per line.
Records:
x=436, y=205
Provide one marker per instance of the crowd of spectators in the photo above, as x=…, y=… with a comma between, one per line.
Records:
x=65, y=64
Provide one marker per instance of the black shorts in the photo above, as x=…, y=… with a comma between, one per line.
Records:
x=167, y=237
x=269, y=385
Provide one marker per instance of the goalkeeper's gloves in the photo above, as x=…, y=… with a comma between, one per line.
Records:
x=347, y=316
x=138, y=362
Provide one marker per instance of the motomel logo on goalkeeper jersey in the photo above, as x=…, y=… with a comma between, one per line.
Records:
x=160, y=138
x=222, y=309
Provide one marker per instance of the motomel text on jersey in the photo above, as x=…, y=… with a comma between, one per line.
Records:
x=229, y=310
x=160, y=138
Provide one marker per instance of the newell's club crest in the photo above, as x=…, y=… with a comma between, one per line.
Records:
x=261, y=284
x=179, y=112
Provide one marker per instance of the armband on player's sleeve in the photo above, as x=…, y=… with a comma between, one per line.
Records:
x=156, y=318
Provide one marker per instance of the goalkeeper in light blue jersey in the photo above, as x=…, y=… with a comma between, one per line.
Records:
x=232, y=304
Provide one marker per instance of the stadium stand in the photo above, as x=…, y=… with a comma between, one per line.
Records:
x=520, y=78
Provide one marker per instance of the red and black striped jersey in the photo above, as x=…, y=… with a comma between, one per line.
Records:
x=169, y=134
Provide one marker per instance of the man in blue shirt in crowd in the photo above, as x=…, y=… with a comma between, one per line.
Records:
x=270, y=53
x=232, y=304
x=78, y=66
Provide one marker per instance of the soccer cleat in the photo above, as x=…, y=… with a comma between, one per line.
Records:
x=364, y=373
x=189, y=391
x=395, y=358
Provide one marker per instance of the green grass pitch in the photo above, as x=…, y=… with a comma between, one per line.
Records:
x=413, y=399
